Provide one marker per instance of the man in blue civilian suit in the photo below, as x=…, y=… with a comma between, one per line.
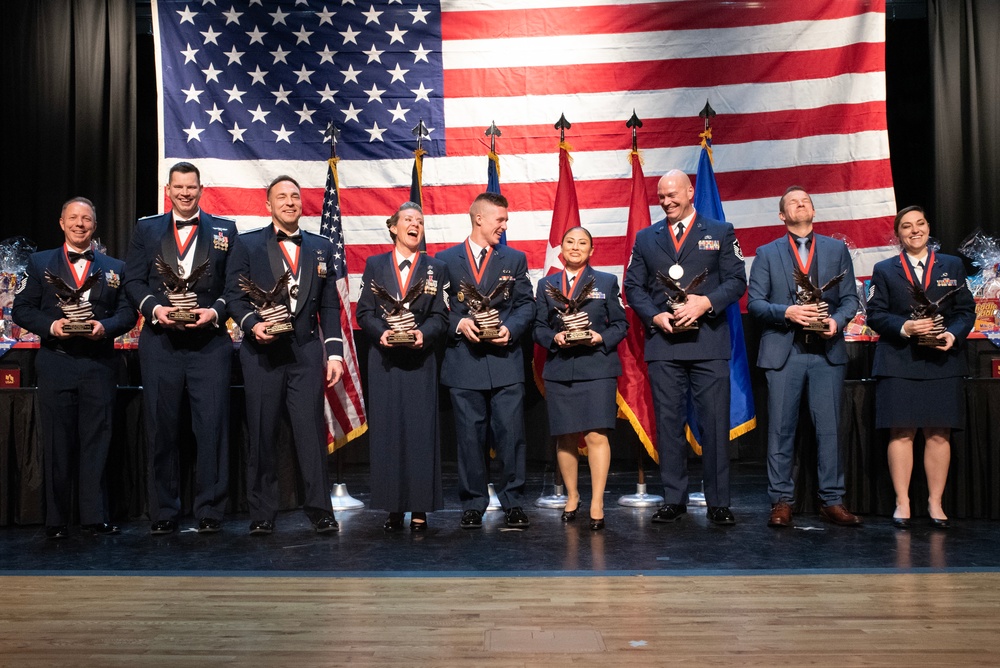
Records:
x=76, y=372
x=683, y=246
x=291, y=368
x=796, y=360
x=486, y=378
x=176, y=356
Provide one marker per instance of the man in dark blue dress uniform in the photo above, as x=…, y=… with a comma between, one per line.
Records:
x=682, y=247
x=76, y=372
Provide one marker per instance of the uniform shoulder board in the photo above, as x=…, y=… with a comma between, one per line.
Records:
x=225, y=218
x=155, y=215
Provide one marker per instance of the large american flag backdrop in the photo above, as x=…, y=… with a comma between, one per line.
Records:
x=247, y=88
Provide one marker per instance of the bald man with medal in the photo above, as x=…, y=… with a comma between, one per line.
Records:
x=684, y=247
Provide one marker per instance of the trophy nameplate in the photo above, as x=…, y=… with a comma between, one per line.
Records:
x=397, y=315
x=678, y=296
x=488, y=323
x=269, y=304
x=183, y=303
x=818, y=324
x=77, y=310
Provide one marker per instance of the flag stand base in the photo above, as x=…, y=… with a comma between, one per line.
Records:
x=557, y=499
x=341, y=499
x=640, y=499
x=494, y=499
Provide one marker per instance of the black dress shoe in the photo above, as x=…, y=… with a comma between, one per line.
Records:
x=596, y=525
x=516, y=519
x=669, y=513
x=472, y=519
x=163, y=527
x=261, y=528
x=209, y=525
x=568, y=515
x=57, y=532
x=940, y=524
x=393, y=523
x=102, y=529
x=326, y=524
x=721, y=515
x=901, y=522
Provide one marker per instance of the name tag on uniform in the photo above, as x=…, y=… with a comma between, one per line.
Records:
x=708, y=245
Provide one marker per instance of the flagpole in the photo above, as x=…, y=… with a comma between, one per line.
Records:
x=641, y=498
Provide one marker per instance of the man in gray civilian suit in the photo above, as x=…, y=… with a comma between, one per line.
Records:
x=796, y=360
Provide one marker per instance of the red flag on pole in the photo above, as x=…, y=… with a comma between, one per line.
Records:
x=635, y=399
x=565, y=216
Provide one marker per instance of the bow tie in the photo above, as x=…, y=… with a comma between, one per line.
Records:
x=294, y=238
x=185, y=223
x=75, y=257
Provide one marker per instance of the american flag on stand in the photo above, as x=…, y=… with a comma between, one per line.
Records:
x=345, y=403
x=246, y=89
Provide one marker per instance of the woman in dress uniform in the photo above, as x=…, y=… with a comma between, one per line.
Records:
x=581, y=374
x=403, y=371
x=919, y=386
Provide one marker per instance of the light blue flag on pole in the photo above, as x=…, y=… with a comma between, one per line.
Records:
x=493, y=182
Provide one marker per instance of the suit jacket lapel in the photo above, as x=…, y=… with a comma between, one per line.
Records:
x=98, y=266
x=168, y=245
x=664, y=239
x=787, y=267
x=691, y=240
x=307, y=270
x=274, y=258
x=203, y=241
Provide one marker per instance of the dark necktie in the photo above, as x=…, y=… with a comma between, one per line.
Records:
x=803, y=251
x=294, y=238
x=482, y=256
x=572, y=280
x=680, y=231
x=75, y=257
x=919, y=271
x=185, y=223
x=403, y=265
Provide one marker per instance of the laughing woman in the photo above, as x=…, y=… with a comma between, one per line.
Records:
x=919, y=386
x=402, y=311
x=581, y=372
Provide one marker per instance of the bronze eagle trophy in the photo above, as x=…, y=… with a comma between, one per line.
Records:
x=179, y=289
x=71, y=302
x=270, y=304
x=480, y=308
x=575, y=322
x=398, y=316
x=676, y=295
x=806, y=293
x=925, y=308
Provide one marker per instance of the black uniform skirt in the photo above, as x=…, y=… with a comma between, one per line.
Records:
x=908, y=403
x=581, y=405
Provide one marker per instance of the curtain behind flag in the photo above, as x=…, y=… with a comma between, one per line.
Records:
x=742, y=414
x=565, y=216
x=345, y=405
x=245, y=88
x=635, y=399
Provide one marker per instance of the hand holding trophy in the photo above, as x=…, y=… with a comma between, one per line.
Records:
x=270, y=304
x=575, y=322
x=808, y=294
x=179, y=289
x=925, y=308
x=398, y=316
x=487, y=318
x=676, y=295
x=78, y=311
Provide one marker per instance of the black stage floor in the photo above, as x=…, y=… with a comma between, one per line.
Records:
x=629, y=545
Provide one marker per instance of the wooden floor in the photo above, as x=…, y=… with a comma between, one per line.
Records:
x=767, y=620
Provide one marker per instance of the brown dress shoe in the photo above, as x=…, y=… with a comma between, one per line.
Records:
x=781, y=515
x=839, y=515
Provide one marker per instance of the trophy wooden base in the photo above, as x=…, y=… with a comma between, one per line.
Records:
x=78, y=328
x=579, y=336
x=816, y=326
x=678, y=329
x=404, y=338
x=278, y=328
x=183, y=315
